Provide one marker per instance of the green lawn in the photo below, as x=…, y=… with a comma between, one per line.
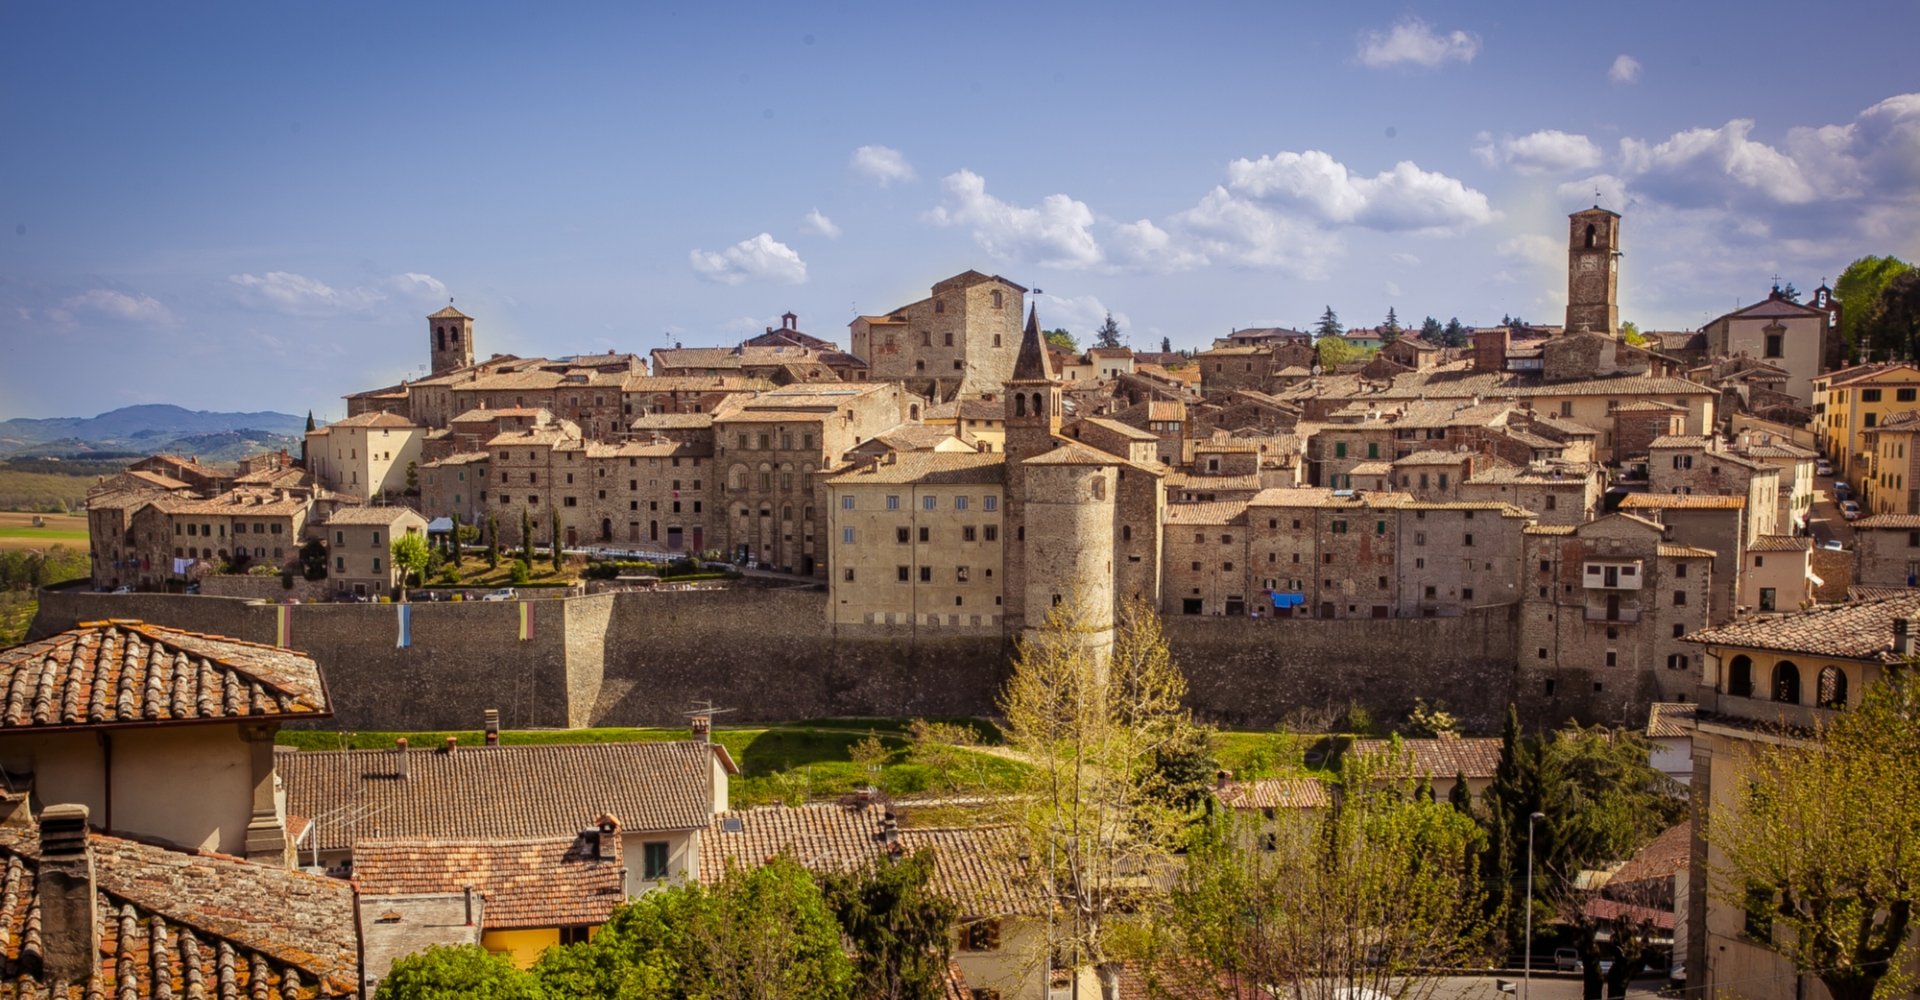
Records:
x=1271, y=754
x=17, y=608
x=779, y=763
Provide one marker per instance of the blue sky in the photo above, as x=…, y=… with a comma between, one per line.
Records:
x=245, y=206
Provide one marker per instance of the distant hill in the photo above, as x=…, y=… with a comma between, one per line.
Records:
x=214, y=437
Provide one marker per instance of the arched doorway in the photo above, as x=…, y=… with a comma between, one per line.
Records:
x=606, y=529
x=573, y=536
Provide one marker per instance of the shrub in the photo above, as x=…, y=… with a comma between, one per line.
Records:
x=521, y=572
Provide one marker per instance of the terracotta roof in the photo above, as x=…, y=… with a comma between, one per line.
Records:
x=1782, y=543
x=125, y=672
x=1433, y=457
x=369, y=515
x=530, y=883
x=1666, y=720
x=1074, y=453
x=449, y=312
x=1213, y=512
x=1904, y=522
x=1549, y=529
x=979, y=868
x=214, y=923
x=1668, y=550
x=1663, y=857
x=1446, y=756
x=1857, y=630
x=375, y=418
x=501, y=791
x=1681, y=501
x=929, y=468
x=156, y=479
x=1275, y=793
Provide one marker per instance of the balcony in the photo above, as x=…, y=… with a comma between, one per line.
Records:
x=1623, y=616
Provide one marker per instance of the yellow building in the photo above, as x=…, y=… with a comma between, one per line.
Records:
x=530, y=894
x=1852, y=401
x=917, y=539
x=365, y=455
x=1767, y=680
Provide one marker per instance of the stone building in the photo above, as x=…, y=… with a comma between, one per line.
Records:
x=1701, y=466
x=456, y=486
x=360, y=548
x=959, y=341
x=1554, y=492
x=1886, y=551
x=142, y=540
x=452, y=345
x=769, y=452
x=652, y=495
x=1604, y=605
x=1778, y=574
x=918, y=540
x=1779, y=331
x=370, y=455
x=1593, y=272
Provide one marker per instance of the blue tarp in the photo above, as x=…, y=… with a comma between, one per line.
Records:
x=440, y=526
x=1283, y=601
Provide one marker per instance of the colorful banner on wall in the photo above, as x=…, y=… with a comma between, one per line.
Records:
x=526, y=621
x=283, y=627
x=406, y=626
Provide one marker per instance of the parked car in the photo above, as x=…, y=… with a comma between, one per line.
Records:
x=503, y=594
x=1833, y=545
x=1841, y=490
x=1822, y=467
x=1567, y=960
x=1850, y=510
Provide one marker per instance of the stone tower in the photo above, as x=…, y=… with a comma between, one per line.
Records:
x=1032, y=410
x=450, y=338
x=1593, y=272
x=1068, y=502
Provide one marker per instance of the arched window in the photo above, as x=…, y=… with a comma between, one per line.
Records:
x=1126, y=532
x=1099, y=488
x=454, y=335
x=1019, y=405
x=1740, y=677
x=1786, y=682
x=1832, y=688
x=786, y=513
x=440, y=338
x=1039, y=405
x=1589, y=235
x=913, y=412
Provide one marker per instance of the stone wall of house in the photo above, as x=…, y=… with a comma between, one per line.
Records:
x=642, y=658
x=265, y=588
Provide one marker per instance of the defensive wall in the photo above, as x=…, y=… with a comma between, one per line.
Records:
x=641, y=658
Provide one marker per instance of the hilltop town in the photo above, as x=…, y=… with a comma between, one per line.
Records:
x=1702, y=540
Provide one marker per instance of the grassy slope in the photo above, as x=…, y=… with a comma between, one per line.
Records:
x=779, y=763
x=17, y=608
x=40, y=491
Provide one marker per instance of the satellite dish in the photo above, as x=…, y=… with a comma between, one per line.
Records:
x=1316, y=369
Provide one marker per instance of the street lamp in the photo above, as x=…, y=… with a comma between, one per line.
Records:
x=1526, y=972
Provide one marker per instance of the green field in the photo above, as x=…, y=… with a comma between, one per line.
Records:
x=17, y=531
x=17, y=608
x=42, y=491
x=778, y=763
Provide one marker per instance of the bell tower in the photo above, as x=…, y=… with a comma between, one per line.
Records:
x=450, y=339
x=1032, y=412
x=1593, y=272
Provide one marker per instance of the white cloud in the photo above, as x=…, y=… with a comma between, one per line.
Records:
x=1405, y=197
x=120, y=306
x=1240, y=231
x=300, y=295
x=819, y=225
x=882, y=163
x=1691, y=163
x=1404, y=259
x=1604, y=190
x=761, y=257
x=1079, y=315
x=1625, y=69
x=1548, y=151
x=1056, y=233
x=1413, y=42
x=1145, y=245
x=1535, y=249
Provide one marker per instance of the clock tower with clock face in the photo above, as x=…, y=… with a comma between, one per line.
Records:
x=1593, y=272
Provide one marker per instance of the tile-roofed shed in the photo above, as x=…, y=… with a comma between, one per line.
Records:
x=501, y=791
x=1445, y=756
x=129, y=673
x=177, y=923
x=524, y=883
x=1857, y=630
x=1275, y=793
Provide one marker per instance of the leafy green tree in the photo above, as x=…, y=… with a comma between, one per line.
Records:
x=493, y=542
x=901, y=930
x=1894, y=321
x=1062, y=339
x=1430, y=719
x=313, y=560
x=1108, y=334
x=520, y=573
x=1333, y=352
x=1455, y=334
x=1090, y=728
x=413, y=478
x=1824, y=838
x=1857, y=291
x=457, y=973
x=1630, y=332
x=760, y=933
x=1328, y=326
x=1366, y=898
x=1431, y=331
x=526, y=535
x=411, y=556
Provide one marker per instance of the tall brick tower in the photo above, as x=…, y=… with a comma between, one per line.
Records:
x=1032, y=408
x=1593, y=272
x=450, y=339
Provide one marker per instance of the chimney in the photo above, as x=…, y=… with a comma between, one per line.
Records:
x=69, y=923
x=493, y=727
x=1903, y=636
x=703, y=728
x=469, y=900
x=453, y=744
x=1222, y=778
x=890, y=831
x=400, y=761
x=607, y=846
